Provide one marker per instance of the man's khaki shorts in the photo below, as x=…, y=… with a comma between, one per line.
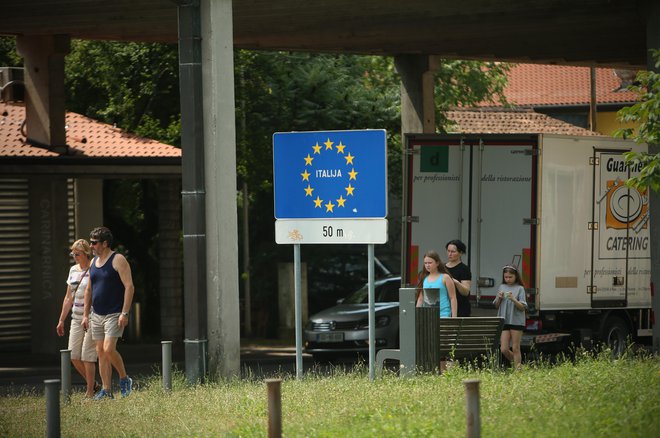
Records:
x=106, y=326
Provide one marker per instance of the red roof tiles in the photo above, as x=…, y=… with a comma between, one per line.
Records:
x=539, y=85
x=509, y=121
x=85, y=137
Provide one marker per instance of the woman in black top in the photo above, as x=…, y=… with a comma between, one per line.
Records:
x=461, y=274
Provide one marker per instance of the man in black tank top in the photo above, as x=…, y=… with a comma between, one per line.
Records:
x=109, y=295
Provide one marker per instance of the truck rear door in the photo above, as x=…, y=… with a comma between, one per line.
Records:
x=436, y=198
x=504, y=213
x=480, y=189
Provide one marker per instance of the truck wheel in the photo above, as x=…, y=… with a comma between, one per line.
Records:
x=615, y=335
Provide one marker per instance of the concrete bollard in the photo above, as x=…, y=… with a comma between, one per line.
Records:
x=52, y=408
x=273, y=387
x=472, y=408
x=167, y=364
x=65, y=374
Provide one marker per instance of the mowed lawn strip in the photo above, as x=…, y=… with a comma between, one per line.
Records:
x=592, y=396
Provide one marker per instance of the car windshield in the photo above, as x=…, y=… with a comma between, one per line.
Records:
x=385, y=293
x=389, y=263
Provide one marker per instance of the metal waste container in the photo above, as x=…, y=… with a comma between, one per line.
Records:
x=195, y=350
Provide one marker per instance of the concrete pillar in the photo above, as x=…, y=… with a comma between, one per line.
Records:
x=88, y=195
x=417, y=92
x=653, y=42
x=48, y=259
x=417, y=112
x=170, y=259
x=220, y=170
x=43, y=57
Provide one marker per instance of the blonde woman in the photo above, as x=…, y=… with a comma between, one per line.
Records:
x=83, y=349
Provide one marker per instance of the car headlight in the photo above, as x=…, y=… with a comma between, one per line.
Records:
x=381, y=321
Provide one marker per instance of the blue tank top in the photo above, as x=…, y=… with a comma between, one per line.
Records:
x=107, y=288
x=445, y=304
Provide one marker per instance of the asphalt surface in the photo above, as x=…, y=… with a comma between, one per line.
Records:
x=24, y=372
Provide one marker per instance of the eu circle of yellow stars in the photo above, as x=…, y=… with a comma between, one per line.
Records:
x=336, y=203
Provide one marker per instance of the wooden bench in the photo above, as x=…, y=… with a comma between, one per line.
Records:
x=439, y=339
x=425, y=339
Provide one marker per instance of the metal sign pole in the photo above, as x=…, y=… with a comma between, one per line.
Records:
x=330, y=187
x=298, y=309
x=372, y=312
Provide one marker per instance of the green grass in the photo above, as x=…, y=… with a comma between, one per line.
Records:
x=590, y=397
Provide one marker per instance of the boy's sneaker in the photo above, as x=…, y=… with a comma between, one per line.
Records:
x=103, y=394
x=125, y=386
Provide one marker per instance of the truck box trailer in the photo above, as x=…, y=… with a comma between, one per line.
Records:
x=557, y=207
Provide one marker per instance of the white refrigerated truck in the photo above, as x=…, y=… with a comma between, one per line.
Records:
x=557, y=207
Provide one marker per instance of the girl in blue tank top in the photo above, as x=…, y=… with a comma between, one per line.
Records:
x=434, y=275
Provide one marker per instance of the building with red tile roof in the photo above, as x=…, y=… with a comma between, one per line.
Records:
x=564, y=93
x=51, y=196
x=509, y=121
x=534, y=86
x=86, y=138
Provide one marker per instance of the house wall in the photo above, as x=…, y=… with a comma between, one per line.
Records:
x=606, y=120
x=607, y=123
x=41, y=216
x=15, y=257
x=49, y=260
x=88, y=195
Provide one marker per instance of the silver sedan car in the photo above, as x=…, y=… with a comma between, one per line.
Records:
x=344, y=328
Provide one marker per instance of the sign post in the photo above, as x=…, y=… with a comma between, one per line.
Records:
x=330, y=187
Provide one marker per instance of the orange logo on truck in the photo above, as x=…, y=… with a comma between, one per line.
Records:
x=626, y=206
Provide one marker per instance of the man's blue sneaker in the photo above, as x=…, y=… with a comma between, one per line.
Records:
x=125, y=386
x=103, y=394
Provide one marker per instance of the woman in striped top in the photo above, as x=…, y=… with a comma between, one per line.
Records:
x=83, y=349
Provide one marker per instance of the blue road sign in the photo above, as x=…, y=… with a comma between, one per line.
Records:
x=330, y=174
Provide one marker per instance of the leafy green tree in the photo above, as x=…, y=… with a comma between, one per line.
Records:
x=279, y=91
x=8, y=55
x=646, y=112
x=134, y=86
x=467, y=84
